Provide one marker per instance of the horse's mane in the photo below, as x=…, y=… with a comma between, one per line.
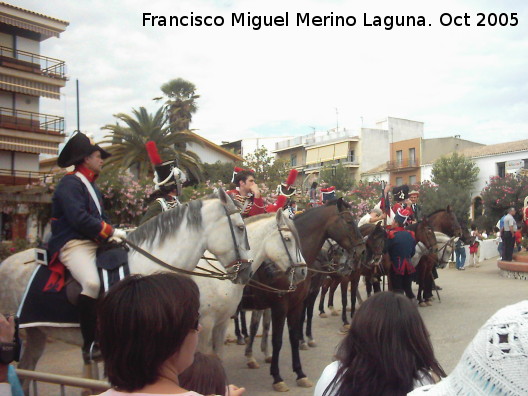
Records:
x=332, y=202
x=436, y=211
x=168, y=222
x=253, y=219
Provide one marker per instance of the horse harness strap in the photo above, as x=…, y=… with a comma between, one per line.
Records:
x=239, y=261
x=293, y=265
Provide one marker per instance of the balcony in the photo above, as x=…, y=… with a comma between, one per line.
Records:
x=332, y=137
x=21, y=120
x=12, y=177
x=32, y=63
x=403, y=165
x=290, y=143
x=350, y=161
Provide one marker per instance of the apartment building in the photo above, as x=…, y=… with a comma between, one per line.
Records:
x=26, y=76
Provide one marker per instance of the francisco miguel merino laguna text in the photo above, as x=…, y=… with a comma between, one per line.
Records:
x=256, y=22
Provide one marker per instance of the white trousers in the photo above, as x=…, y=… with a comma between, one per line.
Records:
x=79, y=257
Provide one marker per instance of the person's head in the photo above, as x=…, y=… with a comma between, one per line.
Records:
x=314, y=185
x=94, y=162
x=496, y=360
x=293, y=204
x=385, y=349
x=413, y=196
x=401, y=217
x=374, y=213
x=205, y=376
x=81, y=150
x=146, y=323
x=511, y=211
x=244, y=180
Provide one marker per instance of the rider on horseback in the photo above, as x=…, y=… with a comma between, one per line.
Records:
x=79, y=225
x=168, y=179
x=247, y=193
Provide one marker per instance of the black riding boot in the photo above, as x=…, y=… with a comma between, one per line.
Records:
x=87, y=317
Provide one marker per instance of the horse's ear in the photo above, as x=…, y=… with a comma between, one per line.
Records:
x=227, y=201
x=378, y=225
x=448, y=209
x=341, y=204
x=279, y=217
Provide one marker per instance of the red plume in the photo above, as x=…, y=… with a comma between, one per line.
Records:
x=292, y=177
x=152, y=151
x=279, y=203
x=238, y=169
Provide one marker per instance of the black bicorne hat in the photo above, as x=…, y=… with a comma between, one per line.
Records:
x=169, y=177
x=400, y=193
x=78, y=147
x=283, y=189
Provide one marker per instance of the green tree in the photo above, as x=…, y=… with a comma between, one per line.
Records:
x=434, y=197
x=128, y=143
x=219, y=171
x=267, y=169
x=455, y=169
x=337, y=176
x=180, y=104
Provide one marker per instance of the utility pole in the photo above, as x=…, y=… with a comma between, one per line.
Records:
x=337, y=120
x=78, y=117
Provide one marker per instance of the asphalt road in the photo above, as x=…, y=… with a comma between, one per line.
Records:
x=469, y=298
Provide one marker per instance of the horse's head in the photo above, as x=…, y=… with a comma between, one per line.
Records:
x=452, y=223
x=375, y=243
x=345, y=232
x=227, y=236
x=425, y=234
x=282, y=246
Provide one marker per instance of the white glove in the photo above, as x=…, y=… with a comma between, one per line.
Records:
x=118, y=235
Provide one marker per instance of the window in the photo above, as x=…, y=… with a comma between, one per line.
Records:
x=412, y=156
x=351, y=156
x=293, y=160
x=412, y=179
x=399, y=181
x=501, y=169
x=399, y=157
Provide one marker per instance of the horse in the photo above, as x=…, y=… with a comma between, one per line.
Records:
x=214, y=224
x=271, y=237
x=423, y=233
x=332, y=220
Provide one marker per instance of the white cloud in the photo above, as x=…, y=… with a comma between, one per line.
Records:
x=458, y=80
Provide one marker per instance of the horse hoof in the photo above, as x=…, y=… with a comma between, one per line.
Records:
x=422, y=304
x=344, y=330
x=252, y=364
x=303, y=346
x=280, y=387
x=323, y=315
x=312, y=343
x=334, y=313
x=349, y=309
x=304, y=383
x=268, y=359
x=428, y=303
x=346, y=326
x=241, y=341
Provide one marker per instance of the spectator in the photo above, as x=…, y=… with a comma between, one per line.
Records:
x=518, y=238
x=498, y=239
x=375, y=216
x=313, y=194
x=495, y=361
x=460, y=253
x=9, y=383
x=207, y=376
x=508, y=235
x=148, y=328
x=474, y=247
x=387, y=351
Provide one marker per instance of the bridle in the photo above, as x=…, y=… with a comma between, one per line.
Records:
x=238, y=264
x=441, y=260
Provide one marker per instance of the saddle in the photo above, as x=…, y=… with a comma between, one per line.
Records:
x=58, y=308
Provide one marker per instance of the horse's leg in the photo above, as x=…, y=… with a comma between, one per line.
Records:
x=368, y=284
x=219, y=336
x=310, y=304
x=335, y=283
x=205, y=341
x=238, y=334
x=324, y=290
x=344, y=300
x=354, y=286
x=243, y=324
x=302, y=341
x=294, y=316
x=266, y=323
x=35, y=344
x=253, y=328
x=278, y=317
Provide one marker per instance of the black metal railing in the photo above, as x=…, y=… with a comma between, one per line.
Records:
x=35, y=63
x=405, y=163
x=31, y=122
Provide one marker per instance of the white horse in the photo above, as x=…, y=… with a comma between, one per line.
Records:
x=178, y=236
x=219, y=300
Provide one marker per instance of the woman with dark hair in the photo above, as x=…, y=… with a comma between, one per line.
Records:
x=313, y=194
x=148, y=328
x=387, y=351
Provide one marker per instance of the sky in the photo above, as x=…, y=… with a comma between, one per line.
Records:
x=470, y=81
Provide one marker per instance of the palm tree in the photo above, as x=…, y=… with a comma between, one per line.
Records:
x=180, y=104
x=128, y=143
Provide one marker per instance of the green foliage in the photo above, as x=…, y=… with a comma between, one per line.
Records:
x=502, y=193
x=268, y=170
x=18, y=245
x=180, y=104
x=219, y=171
x=455, y=170
x=337, y=176
x=434, y=197
x=128, y=143
x=124, y=198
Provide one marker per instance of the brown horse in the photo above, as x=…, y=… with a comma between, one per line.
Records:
x=314, y=226
x=375, y=241
x=423, y=233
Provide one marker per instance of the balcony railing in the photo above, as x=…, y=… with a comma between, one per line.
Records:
x=21, y=177
x=350, y=160
x=31, y=122
x=331, y=137
x=403, y=164
x=34, y=63
x=290, y=143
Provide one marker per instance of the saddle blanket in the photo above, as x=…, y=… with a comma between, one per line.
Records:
x=39, y=308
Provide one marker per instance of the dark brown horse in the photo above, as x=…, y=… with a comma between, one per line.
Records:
x=314, y=226
x=375, y=241
x=423, y=233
